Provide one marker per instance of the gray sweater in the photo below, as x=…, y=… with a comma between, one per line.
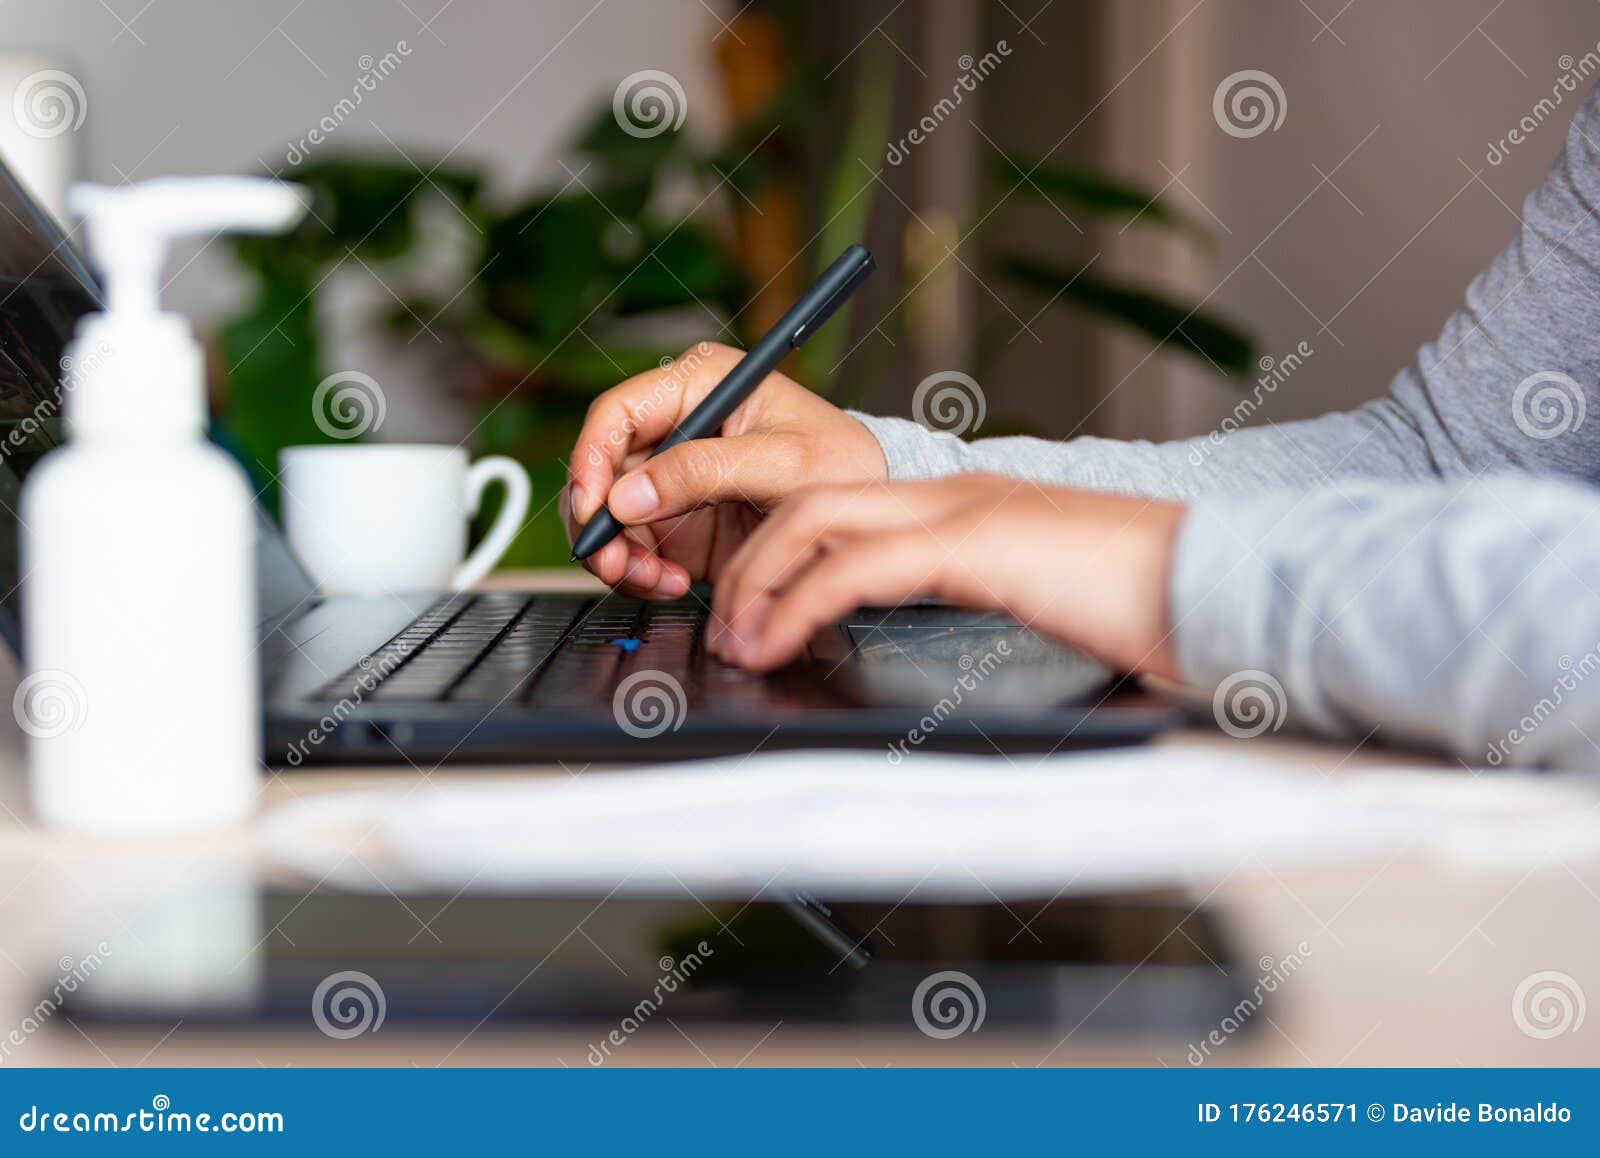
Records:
x=1425, y=567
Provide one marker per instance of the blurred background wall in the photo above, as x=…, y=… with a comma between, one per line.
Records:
x=191, y=86
x=1397, y=104
x=1351, y=226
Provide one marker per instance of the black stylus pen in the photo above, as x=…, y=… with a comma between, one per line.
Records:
x=804, y=318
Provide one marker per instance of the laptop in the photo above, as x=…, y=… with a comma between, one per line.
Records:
x=430, y=677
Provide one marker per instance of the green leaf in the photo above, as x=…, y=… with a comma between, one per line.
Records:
x=575, y=368
x=367, y=205
x=686, y=266
x=543, y=265
x=539, y=434
x=588, y=369
x=1073, y=187
x=847, y=204
x=1169, y=323
x=763, y=148
x=619, y=156
x=501, y=343
x=270, y=352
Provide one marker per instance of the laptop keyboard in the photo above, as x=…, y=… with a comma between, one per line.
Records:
x=545, y=651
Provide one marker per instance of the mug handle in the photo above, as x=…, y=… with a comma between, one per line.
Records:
x=515, y=508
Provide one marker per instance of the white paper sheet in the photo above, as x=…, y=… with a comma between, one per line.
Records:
x=852, y=824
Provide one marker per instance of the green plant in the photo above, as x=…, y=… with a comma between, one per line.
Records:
x=569, y=289
x=541, y=324
x=1165, y=321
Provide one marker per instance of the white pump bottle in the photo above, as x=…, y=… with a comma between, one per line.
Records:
x=142, y=702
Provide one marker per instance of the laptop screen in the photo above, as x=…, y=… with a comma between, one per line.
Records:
x=44, y=289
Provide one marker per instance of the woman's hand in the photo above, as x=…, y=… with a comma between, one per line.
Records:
x=1090, y=569
x=690, y=509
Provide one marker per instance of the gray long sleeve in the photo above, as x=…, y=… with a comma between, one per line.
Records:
x=1407, y=599
x=1460, y=616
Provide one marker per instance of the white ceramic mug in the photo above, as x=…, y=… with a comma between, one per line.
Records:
x=393, y=516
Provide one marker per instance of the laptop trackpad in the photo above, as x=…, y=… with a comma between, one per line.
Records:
x=928, y=654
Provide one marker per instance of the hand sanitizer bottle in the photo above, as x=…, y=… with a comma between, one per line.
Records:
x=139, y=622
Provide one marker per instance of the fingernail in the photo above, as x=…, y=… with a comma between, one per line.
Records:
x=579, y=498
x=672, y=583
x=633, y=498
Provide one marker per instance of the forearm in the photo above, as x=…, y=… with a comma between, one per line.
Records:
x=1452, y=616
x=1375, y=442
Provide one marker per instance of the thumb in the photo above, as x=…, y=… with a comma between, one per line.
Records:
x=761, y=469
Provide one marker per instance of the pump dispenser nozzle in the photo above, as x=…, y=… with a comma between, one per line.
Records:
x=135, y=369
x=132, y=226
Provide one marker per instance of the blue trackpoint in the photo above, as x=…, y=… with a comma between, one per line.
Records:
x=628, y=644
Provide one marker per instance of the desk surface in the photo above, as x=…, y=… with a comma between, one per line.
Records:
x=1413, y=960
